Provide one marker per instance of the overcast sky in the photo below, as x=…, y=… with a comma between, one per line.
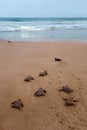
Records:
x=43, y=8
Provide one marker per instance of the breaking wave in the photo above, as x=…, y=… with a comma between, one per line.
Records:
x=41, y=24
x=41, y=28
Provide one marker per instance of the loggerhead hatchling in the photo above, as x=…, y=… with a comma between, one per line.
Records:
x=66, y=89
x=57, y=59
x=70, y=101
x=29, y=78
x=17, y=104
x=44, y=73
x=40, y=92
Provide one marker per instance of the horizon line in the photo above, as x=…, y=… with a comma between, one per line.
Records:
x=42, y=17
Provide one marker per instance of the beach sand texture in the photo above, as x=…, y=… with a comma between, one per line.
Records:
x=21, y=59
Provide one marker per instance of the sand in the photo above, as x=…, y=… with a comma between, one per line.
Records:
x=21, y=59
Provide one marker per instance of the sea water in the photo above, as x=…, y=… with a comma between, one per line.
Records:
x=43, y=28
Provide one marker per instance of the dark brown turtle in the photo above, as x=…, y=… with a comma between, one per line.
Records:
x=17, y=104
x=9, y=41
x=57, y=59
x=29, y=78
x=70, y=101
x=44, y=73
x=40, y=92
x=66, y=89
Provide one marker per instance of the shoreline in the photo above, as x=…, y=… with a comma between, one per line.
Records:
x=21, y=59
x=45, y=41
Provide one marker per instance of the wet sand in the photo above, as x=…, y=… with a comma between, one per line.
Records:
x=21, y=59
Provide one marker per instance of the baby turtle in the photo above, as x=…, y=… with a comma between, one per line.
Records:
x=66, y=89
x=70, y=101
x=40, y=92
x=29, y=78
x=9, y=41
x=17, y=104
x=44, y=73
x=57, y=59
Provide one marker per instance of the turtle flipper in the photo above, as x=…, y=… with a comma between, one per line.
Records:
x=12, y=102
x=16, y=107
x=22, y=104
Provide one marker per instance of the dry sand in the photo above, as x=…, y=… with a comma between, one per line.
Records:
x=20, y=59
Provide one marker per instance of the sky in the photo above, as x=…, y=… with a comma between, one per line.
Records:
x=43, y=8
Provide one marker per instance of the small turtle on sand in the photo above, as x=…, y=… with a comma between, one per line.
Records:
x=44, y=73
x=57, y=59
x=40, y=92
x=29, y=78
x=17, y=104
x=66, y=89
x=70, y=101
x=9, y=41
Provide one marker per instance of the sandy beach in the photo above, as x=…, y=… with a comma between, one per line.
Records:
x=21, y=59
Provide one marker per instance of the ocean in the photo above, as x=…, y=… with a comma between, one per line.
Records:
x=28, y=29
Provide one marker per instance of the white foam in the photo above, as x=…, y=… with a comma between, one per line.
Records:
x=41, y=25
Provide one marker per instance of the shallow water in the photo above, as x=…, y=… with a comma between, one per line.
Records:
x=43, y=28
